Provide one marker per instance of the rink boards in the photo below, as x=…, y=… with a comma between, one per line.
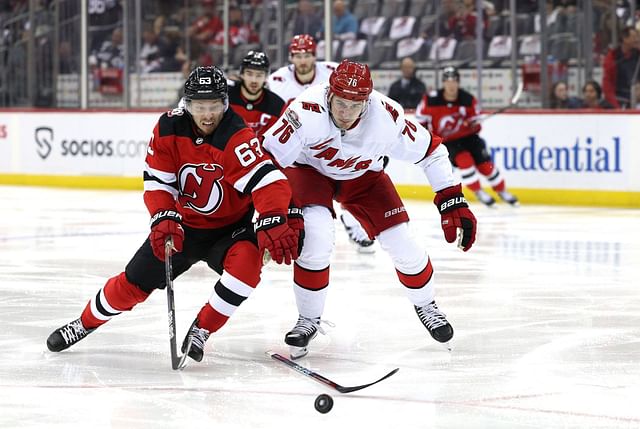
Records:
x=575, y=158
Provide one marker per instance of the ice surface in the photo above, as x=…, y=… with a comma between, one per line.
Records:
x=545, y=307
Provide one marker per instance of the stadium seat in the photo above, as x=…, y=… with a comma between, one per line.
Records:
x=355, y=50
x=335, y=50
x=529, y=45
x=413, y=47
x=381, y=51
x=365, y=8
x=465, y=53
x=392, y=8
x=373, y=26
x=418, y=8
x=563, y=47
x=444, y=49
x=401, y=27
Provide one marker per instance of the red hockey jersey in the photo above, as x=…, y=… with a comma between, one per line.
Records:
x=211, y=180
x=260, y=114
x=451, y=120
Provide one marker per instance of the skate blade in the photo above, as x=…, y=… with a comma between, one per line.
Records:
x=297, y=352
x=448, y=346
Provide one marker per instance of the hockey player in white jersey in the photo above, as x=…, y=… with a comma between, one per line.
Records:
x=304, y=71
x=290, y=81
x=331, y=142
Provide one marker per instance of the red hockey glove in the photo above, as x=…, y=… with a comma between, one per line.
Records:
x=295, y=220
x=165, y=224
x=455, y=214
x=275, y=235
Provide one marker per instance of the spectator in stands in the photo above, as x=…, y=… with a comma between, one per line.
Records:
x=103, y=19
x=592, y=96
x=559, y=98
x=620, y=69
x=205, y=28
x=345, y=25
x=239, y=31
x=151, y=58
x=111, y=53
x=308, y=21
x=463, y=25
x=407, y=90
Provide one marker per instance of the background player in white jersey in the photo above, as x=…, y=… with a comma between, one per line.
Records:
x=290, y=81
x=331, y=141
x=304, y=71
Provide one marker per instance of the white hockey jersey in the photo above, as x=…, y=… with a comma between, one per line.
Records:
x=306, y=134
x=284, y=82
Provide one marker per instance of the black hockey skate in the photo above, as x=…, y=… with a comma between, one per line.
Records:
x=199, y=337
x=358, y=236
x=436, y=322
x=299, y=337
x=67, y=335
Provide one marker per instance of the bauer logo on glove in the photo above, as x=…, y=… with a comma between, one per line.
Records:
x=457, y=221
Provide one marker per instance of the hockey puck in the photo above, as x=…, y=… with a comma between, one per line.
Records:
x=324, y=403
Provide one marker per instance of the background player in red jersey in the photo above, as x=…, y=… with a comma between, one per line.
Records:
x=204, y=173
x=257, y=105
x=450, y=112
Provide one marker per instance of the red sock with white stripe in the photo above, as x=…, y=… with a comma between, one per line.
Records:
x=116, y=296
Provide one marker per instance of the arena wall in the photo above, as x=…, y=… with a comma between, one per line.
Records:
x=547, y=158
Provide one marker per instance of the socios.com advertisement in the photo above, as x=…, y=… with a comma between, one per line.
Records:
x=84, y=144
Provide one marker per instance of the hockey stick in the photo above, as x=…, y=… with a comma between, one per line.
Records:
x=514, y=101
x=304, y=371
x=177, y=361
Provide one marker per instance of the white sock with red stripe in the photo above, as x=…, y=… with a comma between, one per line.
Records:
x=310, y=289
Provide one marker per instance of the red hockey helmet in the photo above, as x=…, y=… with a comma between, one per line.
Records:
x=302, y=43
x=351, y=80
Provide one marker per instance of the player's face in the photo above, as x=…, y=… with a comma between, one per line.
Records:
x=253, y=80
x=303, y=62
x=451, y=87
x=345, y=112
x=206, y=114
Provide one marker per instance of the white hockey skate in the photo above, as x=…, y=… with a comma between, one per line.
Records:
x=485, y=198
x=359, y=237
x=509, y=198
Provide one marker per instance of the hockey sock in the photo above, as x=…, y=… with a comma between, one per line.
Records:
x=491, y=172
x=419, y=287
x=116, y=296
x=310, y=288
x=210, y=319
x=228, y=293
x=469, y=175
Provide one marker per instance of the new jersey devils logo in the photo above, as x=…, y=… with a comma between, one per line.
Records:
x=450, y=124
x=200, y=187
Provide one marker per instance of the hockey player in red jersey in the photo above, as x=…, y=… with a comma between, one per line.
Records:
x=289, y=82
x=204, y=173
x=451, y=112
x=257, y=105
x=331, y=141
